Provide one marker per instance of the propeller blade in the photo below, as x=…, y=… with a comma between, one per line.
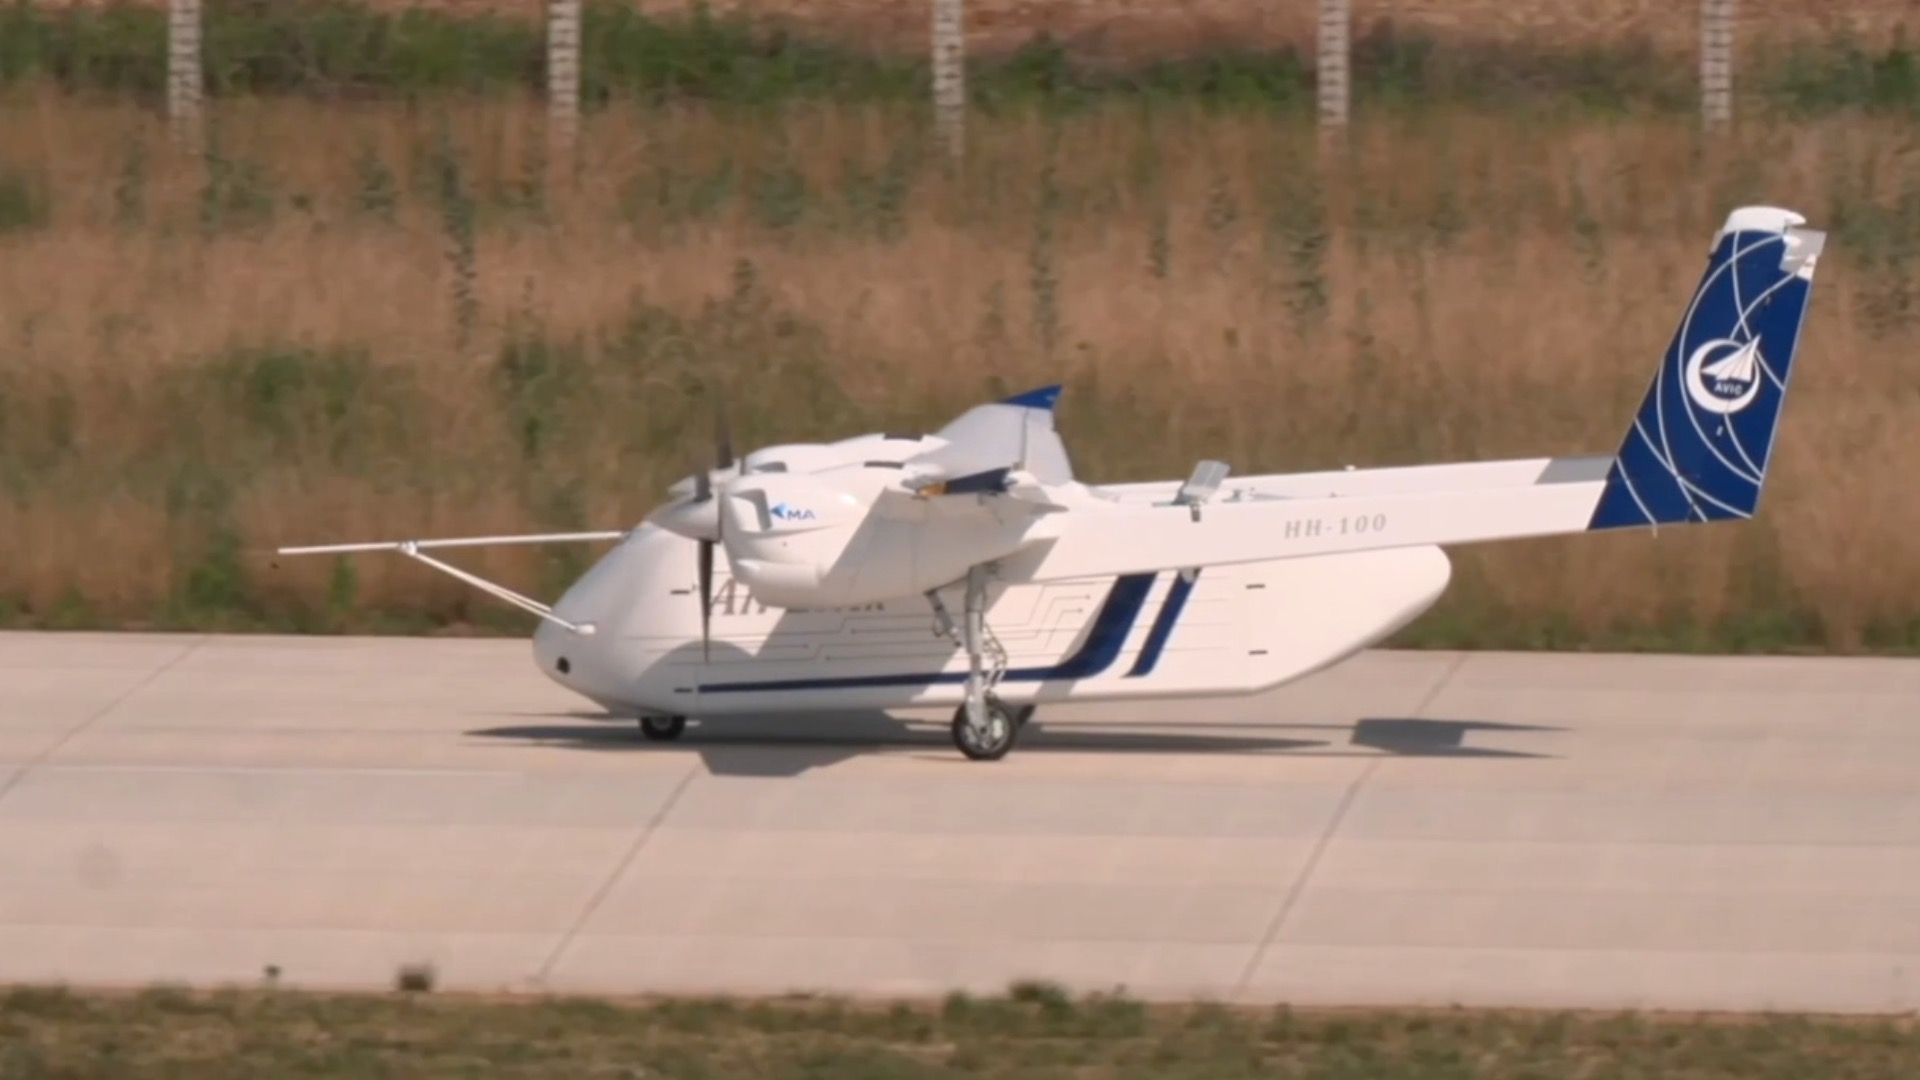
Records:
x=706, y=597
x=723, y=460
x=722, y=437
x=702, y=492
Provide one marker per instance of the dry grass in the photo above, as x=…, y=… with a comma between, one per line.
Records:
x=1035, y=1032
x=1458, y=288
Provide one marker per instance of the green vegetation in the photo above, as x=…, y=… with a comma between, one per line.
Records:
x=398, y=317
x=1033, y=1033
x=404, y=322
x=342, y=47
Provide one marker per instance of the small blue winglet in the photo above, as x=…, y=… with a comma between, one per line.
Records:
x=1043, y=398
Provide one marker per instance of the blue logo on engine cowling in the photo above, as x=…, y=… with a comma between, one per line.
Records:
x=783, y=512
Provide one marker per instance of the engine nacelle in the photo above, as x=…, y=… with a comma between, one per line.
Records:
x=815, y=540
x=700, y=520
x=813, y=457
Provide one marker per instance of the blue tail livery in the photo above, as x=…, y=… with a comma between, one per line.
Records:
x=1700, y=444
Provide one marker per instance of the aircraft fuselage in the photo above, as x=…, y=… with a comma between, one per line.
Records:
x=1225, y=630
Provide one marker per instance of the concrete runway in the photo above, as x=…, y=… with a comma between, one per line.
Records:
x=1410, y=828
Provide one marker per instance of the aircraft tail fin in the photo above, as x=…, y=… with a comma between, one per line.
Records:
x=1701, y=443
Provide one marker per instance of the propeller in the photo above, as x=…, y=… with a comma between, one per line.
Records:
x=703, y=491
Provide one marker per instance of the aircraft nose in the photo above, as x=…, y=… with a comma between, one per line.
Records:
x=551, y=651
x=580, y=664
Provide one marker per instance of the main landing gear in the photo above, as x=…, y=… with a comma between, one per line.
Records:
x=984, y=728
x=991, y=742
x=662, y=728
x=988, y=744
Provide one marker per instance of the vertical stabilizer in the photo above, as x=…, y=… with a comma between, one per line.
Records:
x=1703, y=438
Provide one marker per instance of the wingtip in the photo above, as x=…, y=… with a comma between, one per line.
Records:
x=1044, y=397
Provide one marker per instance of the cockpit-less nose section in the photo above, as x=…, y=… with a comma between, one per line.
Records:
x=835, y=568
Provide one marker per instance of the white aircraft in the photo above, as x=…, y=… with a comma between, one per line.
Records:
x=812, y=578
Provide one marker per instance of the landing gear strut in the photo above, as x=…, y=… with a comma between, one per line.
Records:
x=662, y=728
x=984, y=728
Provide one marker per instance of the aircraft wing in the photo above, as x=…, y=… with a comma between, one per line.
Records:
x=1523, y=498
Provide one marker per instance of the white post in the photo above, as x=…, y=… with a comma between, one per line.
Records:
x=563, y=77
x=1336, y=19
x=1716, y=62
x=949, y=75
x=186, y=77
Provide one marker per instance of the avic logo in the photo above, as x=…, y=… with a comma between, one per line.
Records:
x=783, y=512
x=1724, y=376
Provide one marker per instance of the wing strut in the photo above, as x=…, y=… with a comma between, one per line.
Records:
x=412, y=549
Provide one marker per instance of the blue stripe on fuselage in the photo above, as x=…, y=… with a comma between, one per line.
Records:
x=1095, y=655
x=1163, y=625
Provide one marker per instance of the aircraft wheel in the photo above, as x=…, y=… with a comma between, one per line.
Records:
x=1003, y=726
x=662, y=728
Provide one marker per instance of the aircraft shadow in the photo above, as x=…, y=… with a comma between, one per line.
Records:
x=754, y=747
